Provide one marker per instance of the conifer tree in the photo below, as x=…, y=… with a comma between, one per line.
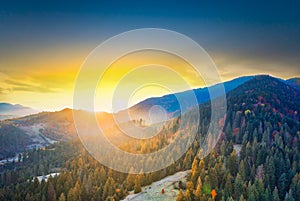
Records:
x=137, y=184
x=180, y=196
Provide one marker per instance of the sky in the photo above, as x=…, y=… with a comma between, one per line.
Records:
x=44, y=43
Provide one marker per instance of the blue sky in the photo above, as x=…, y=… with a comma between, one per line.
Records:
x=40, y=39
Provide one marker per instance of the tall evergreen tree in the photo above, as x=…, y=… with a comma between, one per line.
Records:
x=109, y=188
x=137, y=184
x=180, y=196
x=51, y=194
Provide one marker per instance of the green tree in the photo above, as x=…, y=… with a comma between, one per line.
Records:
x=109, y=188
x=282, y=186
x=213, y=177
x=228, y=132
x=259, y=189
x=223, y=148
x=251, y=193
x=238, y=186
x=270, y=172
x=232, y=163
x=228, y=190
x=267, y=194
x=295, y=186
x=242, y=170
x=27, y=197
x=289, y=197
x=275, y=195
x=44, y=198
x=242, y=198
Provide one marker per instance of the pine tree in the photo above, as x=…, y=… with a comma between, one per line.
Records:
x=228, y=186
x=289, y=197
x=27, y=197
x=109, y=188
x=282, y=186
x=270, y=173
x=230, y=199
x=187, y=162
x=242, y=198
x=51, y=194
x=228, y=132
x=213, y=177
x=295, y=186
x=180, y=196
x=242, y=170
x=44, y=198
x=190, y=186
x=72, y=195
x=188, y=196
x=197, y=193
x=195, y=170
x=267, y=194
x=275, y=195
x=238, y=186
x=62, y=197
x=223, y=148
x=137, y=185
x=232, y=163
x=130, y=179
x=259, y=189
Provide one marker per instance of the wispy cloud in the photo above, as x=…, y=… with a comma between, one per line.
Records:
x=4, y=91
x=15, y=85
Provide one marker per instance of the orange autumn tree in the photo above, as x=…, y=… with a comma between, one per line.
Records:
x=213, y=193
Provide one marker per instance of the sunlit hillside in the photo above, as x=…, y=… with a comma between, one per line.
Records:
x=262, y=120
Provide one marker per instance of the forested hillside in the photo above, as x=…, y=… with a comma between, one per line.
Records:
x=12, y=140
x=256, y=158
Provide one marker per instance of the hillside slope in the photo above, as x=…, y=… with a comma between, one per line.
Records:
x=294, y=82
x=171, y=105
x=12, y=140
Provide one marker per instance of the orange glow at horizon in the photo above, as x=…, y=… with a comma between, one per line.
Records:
x=143, y=75
x=46, y=83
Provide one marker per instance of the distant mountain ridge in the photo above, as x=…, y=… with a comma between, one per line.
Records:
x=8, y=110
x=171, y=105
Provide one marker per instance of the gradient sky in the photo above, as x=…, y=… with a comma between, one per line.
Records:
x=43, y=44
